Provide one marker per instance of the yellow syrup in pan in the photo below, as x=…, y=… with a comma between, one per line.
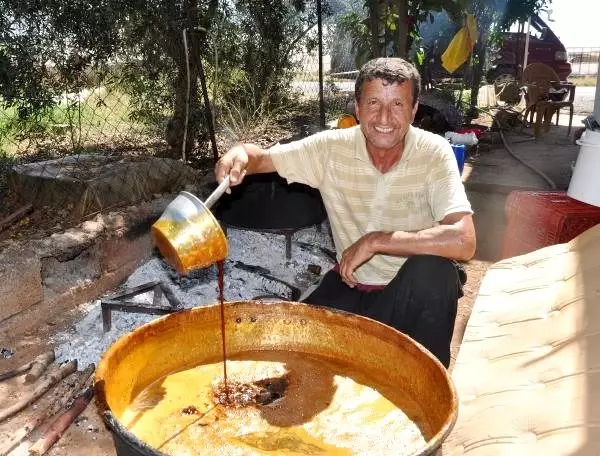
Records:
x=326, y=409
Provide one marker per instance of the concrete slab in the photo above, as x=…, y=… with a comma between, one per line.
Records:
x=490, y=176
x=518, y=168
x=85, y=184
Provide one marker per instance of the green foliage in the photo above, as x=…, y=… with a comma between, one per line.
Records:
x=395, y=19
x=46, y=48
x=518, y=10
x=357, y=27
x=66, y=46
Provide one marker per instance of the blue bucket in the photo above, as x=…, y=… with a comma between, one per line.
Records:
x=459, y=153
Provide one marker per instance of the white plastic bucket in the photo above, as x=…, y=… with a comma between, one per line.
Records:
x=585, y=182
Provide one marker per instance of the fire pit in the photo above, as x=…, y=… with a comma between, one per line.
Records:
x=345, y=384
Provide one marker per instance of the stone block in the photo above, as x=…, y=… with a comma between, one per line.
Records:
x=20, y=281
x=62, y=276
x=91, y=183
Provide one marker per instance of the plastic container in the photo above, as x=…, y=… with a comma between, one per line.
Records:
x=459, y=153
x=585, y=182
x=539, y=219
x=469, y=139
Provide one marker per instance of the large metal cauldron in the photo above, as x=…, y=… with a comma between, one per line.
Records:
x=268, y=202
x=189, y=338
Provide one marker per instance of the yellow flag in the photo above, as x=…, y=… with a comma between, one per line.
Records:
x=461, y=46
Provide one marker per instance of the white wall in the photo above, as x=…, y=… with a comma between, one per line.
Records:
x=597, y=100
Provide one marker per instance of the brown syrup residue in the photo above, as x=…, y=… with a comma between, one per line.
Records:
x=190, y=410
x=237, y=395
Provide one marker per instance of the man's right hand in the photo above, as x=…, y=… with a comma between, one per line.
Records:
x=234, y=164
x=241, y=160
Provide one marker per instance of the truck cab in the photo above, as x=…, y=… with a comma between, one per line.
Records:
x=544, y=47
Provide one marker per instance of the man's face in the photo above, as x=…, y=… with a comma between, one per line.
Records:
x=385, y=112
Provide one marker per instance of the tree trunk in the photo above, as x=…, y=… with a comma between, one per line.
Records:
x=187, y=115
x=374, y=22
x=178, y=129
x=402, y=42
x=479, y=52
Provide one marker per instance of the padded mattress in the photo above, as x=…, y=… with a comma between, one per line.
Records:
x=528, y=370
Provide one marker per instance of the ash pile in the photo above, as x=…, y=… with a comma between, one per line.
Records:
x=259, y=266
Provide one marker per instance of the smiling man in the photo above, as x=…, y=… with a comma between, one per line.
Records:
x=398, y=211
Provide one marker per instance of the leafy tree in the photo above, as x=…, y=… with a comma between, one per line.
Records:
x=389, y=27
x=53, y=47
x=50, y=48
x=45, y=47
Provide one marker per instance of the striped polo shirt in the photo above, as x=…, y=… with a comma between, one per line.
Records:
x=417, y=193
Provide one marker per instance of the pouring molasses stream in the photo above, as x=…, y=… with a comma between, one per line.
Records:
x=189, y=237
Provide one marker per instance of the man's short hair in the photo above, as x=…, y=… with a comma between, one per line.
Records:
x=390, y=69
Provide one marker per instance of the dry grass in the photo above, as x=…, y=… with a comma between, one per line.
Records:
x=584, y=81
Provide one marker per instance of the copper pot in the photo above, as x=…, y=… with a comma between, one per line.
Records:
x=192, y=337
x=188, y=235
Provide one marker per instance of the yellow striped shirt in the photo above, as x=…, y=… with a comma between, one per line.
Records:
x=417, y=193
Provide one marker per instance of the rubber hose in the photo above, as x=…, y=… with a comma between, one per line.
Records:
x=517, y=157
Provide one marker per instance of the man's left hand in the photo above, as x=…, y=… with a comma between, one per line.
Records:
x=358, y=253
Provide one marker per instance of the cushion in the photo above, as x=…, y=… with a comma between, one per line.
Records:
x=528, y=370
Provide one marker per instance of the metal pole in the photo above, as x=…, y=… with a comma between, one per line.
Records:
x=597, y=98
x=320, y=33
x=526, y=47
x=207, y=110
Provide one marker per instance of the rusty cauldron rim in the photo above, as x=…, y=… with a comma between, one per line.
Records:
x=354, y=320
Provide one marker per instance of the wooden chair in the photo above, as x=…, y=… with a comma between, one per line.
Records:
x=546, y=94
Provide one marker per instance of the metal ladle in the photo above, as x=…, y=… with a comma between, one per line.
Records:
x=188, y=235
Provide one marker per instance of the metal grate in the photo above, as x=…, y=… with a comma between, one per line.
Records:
x=120, y=302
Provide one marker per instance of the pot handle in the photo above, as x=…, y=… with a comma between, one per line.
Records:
x=214, y=196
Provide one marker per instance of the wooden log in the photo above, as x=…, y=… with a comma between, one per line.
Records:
x=37, y=361
x=62, y=423
x=42, y=415
x=18, y=371
x=39, y=366
x=48, y=382
x=7, y=221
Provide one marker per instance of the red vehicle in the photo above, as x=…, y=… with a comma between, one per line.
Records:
x=544, y=47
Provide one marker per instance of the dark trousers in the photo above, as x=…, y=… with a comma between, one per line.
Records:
x=420, y=301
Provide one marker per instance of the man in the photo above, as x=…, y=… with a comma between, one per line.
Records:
x=397, y=207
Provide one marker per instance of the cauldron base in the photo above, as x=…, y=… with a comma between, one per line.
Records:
x=268, y=202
